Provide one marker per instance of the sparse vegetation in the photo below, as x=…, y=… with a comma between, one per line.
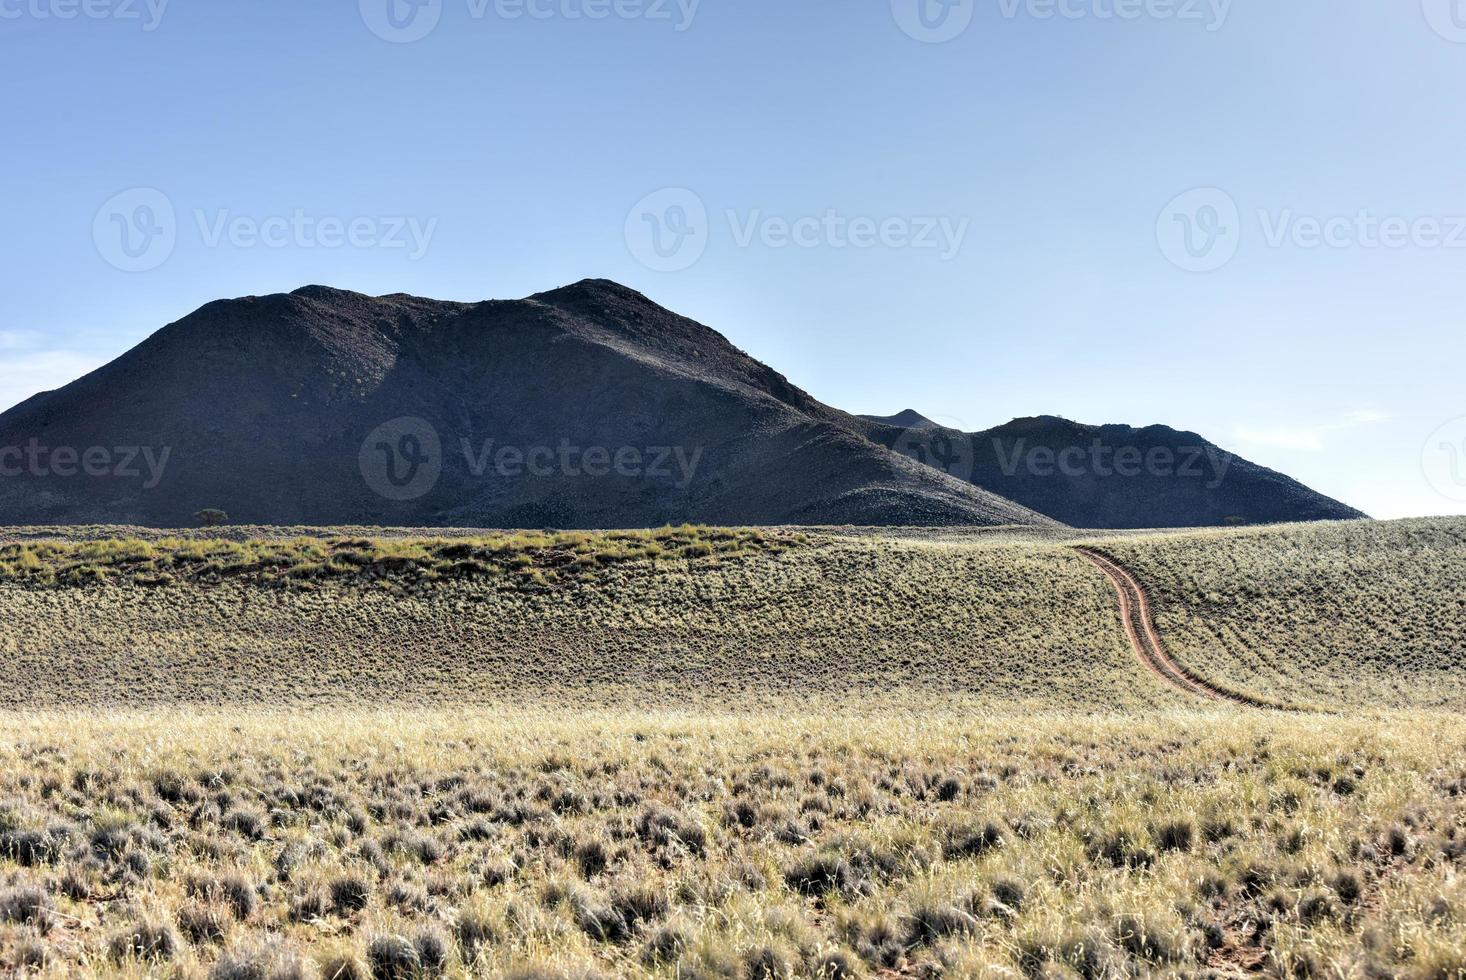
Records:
x=771, y=618
x=524, y=560
x=627, y=845
x=1358, y=614
x=850, y=755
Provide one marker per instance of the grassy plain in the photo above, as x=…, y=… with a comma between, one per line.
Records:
x=704, y=619
x=1349, y=615
x=249, y=844
x=753, y=754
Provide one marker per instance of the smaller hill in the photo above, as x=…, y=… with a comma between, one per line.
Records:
x=1116, y=476
x=909, y=419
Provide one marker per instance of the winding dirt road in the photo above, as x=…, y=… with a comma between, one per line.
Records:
x=1146, y=640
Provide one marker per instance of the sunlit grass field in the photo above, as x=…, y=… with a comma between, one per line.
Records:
x=685, y=618
x=739, y=754
x=1352, y=615
x=247, y=844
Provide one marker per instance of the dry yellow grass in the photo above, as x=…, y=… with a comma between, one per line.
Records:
x=524, y=561
x=790, y=620
x=1350, y=614
x=1336, y=615
x=741, y=754
x=465, y=844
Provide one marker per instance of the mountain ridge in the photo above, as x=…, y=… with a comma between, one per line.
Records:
x=907, y=418
x=270, y=405
x=1075, y=472
x=588, y=405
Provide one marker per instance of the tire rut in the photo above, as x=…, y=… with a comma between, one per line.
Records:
x=1145, y=639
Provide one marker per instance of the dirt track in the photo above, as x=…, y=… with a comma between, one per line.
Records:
x=1146, y=640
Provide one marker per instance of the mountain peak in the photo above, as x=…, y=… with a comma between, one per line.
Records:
x=321, y=292
x=592, y=289
x=907, y=419
x=276, y=409
x=267, y=402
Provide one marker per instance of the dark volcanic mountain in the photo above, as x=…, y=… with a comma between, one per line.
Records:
x=1116, y=476
x=908, y=419
x=588, y=406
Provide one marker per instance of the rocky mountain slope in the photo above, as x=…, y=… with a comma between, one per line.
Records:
x=587, y=406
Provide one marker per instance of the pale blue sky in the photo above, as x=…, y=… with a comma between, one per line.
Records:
x=1039, y=155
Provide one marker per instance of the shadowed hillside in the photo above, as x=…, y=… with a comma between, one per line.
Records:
x=588, y=406
x=1116, y=476
x=585, y=407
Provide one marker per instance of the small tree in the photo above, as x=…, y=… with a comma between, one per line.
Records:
x=211, y=518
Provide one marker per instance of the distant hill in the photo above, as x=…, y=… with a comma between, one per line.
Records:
x=1116, y=476
x=908, y=419
x=587, y=406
